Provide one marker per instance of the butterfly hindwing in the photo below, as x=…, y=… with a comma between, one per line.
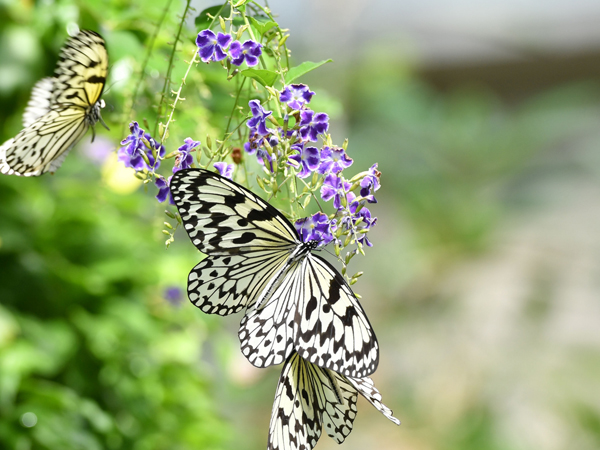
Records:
x=224, y=284
x=39, y=102
x=367, y=389
x=43, y=145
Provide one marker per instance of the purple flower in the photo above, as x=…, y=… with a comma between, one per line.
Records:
x=370, y=183
x=249, y=51
x=334, y=187
x=307, y=159
x=258, y=122
x=133, y=148
x=174, y=295
x=296, y=95
x=224, y=169
x=264, y=158
x=315, y=228
x=163, y=189
x=350, y=222
x=211, y=47
x=312, y=125
x=334, y=160
x=185, y=159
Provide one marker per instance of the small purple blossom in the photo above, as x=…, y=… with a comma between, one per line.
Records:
x=312, y=125
x=174, y=295
x=263, y=157
x=334, y=160
x=334, y=187
x=258, y=122
x=212, y=47
x=315, y=228
x=351, y=222
x=163, y=189
x=296, y=95
x=249, y=51
x=224, y=169
x=370, y=183
x=133, y=148
x=185, y=159
x=307, y=159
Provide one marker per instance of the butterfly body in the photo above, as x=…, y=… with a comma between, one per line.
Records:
x=60, y=110
x=294, y=299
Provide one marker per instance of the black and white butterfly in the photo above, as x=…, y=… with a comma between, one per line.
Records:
x=309, y=398
x=294, y=300
x=60, y=110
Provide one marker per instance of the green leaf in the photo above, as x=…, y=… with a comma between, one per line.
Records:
x=264, y=77
x=305, y=67
x=202, y=21
x=262, y=26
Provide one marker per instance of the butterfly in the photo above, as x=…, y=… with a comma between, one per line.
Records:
x=60, y=110
x=309, y=398
x=294, y=299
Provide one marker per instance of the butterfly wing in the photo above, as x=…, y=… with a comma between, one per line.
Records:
x=368, y=390
x=223, y=218
x=81, y=71
x=39, y=102
x=315, y=312
x=296, y=416
x=224, y=284
x=247, y=240
x=43, y=145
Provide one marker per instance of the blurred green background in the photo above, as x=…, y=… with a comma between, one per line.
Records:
x=482, y=283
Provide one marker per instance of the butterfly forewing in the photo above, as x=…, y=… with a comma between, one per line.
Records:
x=315, y=312
x=296, y=416
x=223, y=218
x=81, y=70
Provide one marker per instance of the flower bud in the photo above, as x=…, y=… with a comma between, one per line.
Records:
x=236, y=155
x=168, y=225
x=166, y=233
x=222, y=23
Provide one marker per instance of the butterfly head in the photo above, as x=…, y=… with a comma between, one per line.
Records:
x=94, y=115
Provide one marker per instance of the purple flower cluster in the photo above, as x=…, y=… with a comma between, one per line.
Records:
x=183, y=160
x=317, y=227
x=213, y=47
x=140, y=150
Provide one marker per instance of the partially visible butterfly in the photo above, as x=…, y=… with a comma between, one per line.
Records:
x=294, y=300
x=309, y=398
x=60, y=110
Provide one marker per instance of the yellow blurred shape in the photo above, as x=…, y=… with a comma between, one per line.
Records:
x=117, y=177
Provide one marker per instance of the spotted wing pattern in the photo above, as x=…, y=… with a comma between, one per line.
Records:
x=293, y=303
x=60, y=109
x=309, y=398
x=314, y=312
x=223, y=218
